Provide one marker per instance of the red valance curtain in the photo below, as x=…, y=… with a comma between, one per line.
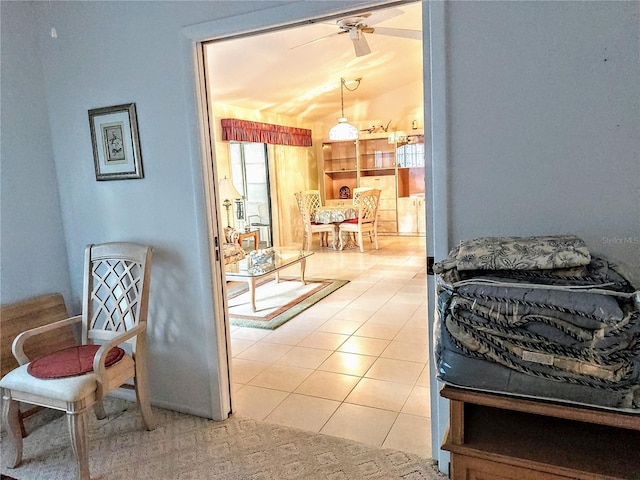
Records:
x=246, y=131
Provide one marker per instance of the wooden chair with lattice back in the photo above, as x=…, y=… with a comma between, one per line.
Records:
x=308, y=202
x=356, y=193
x=366, y=222
x=112, y=351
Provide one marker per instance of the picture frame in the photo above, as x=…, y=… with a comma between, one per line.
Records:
x=116, y=142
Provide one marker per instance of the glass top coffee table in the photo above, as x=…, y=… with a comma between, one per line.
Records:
x=250, y=269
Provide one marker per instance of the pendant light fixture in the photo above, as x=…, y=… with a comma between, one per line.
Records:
x=343, y=130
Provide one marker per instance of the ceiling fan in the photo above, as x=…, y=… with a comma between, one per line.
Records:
x=359, y=25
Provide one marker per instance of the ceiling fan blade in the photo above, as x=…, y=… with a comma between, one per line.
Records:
x=399, y=32
x=317, y=40
x=360, y=44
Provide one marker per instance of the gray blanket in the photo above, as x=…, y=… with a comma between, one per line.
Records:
x=577, y=326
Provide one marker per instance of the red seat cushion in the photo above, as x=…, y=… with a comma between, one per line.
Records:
x=351, y=220
x=71, y=362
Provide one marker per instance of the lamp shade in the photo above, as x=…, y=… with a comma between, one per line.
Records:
x=227, y=190
x=343, y=131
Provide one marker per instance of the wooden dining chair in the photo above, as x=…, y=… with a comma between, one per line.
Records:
x=75, y=379
x=356, y=193
x=308, y=202
x=366, y=222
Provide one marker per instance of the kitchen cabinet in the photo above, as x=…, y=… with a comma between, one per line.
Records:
x=411, y=215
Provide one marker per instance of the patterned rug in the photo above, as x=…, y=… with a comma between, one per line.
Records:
x=187, y=447
x=277, y=302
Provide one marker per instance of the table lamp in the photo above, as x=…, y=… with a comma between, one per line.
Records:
x=228, y=192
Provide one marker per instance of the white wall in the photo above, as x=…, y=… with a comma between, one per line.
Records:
x=32, y=244
x=544, y=121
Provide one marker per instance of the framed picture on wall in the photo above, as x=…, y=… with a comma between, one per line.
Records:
x=116, y=144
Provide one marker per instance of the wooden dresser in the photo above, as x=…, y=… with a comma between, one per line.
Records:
x=500, y=437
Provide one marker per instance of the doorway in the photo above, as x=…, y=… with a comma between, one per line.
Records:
x=213, y=99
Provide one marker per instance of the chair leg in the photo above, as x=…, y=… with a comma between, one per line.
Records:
x=98, y=408
x=142, y=394
x=360, y=242
x=11, y=420
x=80, y=442
x=375, y=238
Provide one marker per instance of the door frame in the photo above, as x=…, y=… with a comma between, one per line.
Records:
x=437, y=190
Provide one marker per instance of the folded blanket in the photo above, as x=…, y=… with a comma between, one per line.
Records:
x=504, y=301
x=517, y=253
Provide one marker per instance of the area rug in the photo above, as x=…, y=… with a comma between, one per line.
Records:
x=186, y=447
x=277, y=302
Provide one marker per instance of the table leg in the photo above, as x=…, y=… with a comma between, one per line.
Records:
x=303, y=264
x=252, y=292
x=278, y=276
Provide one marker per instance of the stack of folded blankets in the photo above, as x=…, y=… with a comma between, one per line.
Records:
x=539, y=317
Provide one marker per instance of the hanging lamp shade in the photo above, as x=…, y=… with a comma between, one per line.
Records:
x=342, y=130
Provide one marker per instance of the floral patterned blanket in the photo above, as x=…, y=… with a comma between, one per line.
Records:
x=517, y=253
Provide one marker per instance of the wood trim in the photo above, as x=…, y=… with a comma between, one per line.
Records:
x=594, y=415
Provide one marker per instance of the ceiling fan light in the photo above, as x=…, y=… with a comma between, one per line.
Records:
x=343, y=130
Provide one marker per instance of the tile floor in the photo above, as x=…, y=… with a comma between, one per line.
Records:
x=355, y=365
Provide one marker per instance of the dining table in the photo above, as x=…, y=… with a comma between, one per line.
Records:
x=337, y=214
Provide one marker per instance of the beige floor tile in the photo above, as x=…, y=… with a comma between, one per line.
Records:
x=407, y=298
x=302, y=411
x=243, y=371
x=378, y=330
x=310, y=322
x=348, y=363
x=247, y=333
x=380, y=312
x=240, y=344
x=410, y=434
x=353, y=314
x=321, y=311
x=392, y=370
x=305, y=357
x=413, y=352
x=419, y=402
x=264, y=352
x=334, y=386
x=288, y=336
x=323, y=340
x=256, y=402
x=379, y=394
x=281, y=377
x=413, y=335
x=345, y=327
x=362, y=424
x=396, y=314
x=364, y=345
x=236, y=386
x=336, y=302
x=372, y=304
x=423, y=379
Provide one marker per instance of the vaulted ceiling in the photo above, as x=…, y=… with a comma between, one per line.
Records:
x=281, y=72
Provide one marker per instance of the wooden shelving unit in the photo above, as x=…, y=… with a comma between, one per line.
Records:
x=379, y=161
x=499, y=437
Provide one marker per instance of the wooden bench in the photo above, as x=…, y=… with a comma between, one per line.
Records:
x=18, y=317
